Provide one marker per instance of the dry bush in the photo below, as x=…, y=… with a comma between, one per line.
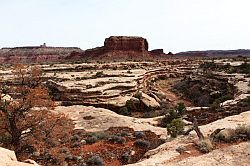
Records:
x=240, y=133
x=205, y=146
x=226, y=135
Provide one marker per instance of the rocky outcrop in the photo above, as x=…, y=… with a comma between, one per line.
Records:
x=119, y=48
x=125, y=43
x=166, y=154
x=8, y=158
x=148, y=101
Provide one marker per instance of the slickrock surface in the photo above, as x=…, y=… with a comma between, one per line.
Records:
x=8, y=158
x=232, y=155
x=235, y=155
x=165, y=154
x=102, y=119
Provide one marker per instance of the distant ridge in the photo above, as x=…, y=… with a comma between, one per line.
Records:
x=216, y=53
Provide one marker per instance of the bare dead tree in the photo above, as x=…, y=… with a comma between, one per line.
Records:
x=195, y=127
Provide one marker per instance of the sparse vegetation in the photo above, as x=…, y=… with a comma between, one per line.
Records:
x=205, y=146
x=173, y=113
x=124, y=111
x=204, y=91
x=241, y=132
x=117, y=139
x=139, y=134
x=91, y=140
x=77, y=85
x=99, y=74
x=95, y=161
x=142, y=143
x=176, y=127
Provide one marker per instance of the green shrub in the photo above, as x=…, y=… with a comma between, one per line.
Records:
x=117, y=139
x=130, y=105
x=176, y=127
x=171, y=115
x=91, y=140
x=124, y=134
x=139, y=134
x=224, y=98
x=5, y=139
x=75, y=138
x=142, y=143
x=99, y=74
x=124, y=111
x=95, y=161
x=150, y=114
x=100, y=135
x=181, y=109
x=129, y=72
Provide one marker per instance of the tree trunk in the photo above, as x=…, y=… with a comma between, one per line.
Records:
x=14, y=131
x=195, y=127
x=197, y=130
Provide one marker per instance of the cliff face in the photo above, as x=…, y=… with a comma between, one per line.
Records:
x=124, y=43
x=120, y=48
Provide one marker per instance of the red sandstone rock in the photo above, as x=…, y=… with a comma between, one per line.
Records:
x=120, y=48
x=124, y=43
x=115, y=47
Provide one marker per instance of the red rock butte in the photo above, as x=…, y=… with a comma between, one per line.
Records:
x=115, y=48
x=124, y=43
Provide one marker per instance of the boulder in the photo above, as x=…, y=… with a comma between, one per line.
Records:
x=8, y=158
x=149, y=101
x=161, y=95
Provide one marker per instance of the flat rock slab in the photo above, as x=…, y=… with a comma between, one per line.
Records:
x=103, y=119
x=236, y=155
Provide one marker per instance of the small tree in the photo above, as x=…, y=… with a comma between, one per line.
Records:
x=24, y=108
x=181, y=109
x=176, y=127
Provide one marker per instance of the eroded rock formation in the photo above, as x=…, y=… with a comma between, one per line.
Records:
x=115, y=47
x=124, y=43
x=120, y=48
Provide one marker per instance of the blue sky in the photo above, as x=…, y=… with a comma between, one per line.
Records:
x=175, y=25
